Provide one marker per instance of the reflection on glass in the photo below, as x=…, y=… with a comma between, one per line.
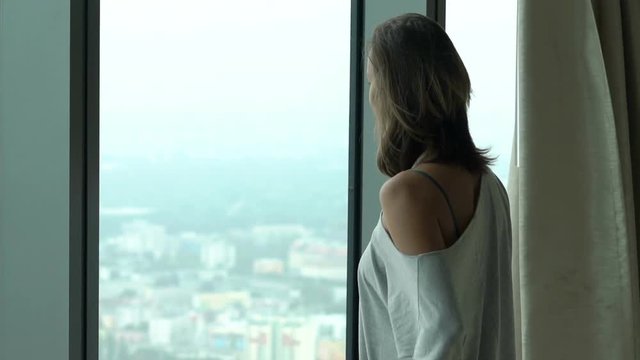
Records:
x=484, y=33
x=223, y=179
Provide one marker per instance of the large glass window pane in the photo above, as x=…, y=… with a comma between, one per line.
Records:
x=484, y=33
x=223, y=179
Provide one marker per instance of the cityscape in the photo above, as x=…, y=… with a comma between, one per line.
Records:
x=242, y=290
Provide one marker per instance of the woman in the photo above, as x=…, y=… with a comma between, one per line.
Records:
x=435, y=279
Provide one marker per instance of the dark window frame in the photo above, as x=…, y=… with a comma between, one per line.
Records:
x=83, y=178
x=84, y=173
x=436, y=9
x=354, y=230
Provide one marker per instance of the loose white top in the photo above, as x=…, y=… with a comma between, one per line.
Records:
x=454, y=303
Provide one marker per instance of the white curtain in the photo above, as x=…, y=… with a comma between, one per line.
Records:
x=572, y=180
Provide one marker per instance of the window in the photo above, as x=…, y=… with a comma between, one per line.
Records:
x=484, y=33
x=223, y=179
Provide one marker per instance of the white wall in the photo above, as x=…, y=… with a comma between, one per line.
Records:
x=376, y=12
x=34, y=172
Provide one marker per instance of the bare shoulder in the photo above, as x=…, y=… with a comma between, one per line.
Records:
x=409, y=214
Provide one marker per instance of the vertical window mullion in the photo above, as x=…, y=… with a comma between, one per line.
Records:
x=354, y=244
x=436, y=11
x=92, y=156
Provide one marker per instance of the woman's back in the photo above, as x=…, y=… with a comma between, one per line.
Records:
x=435, y=280
x=453, y=303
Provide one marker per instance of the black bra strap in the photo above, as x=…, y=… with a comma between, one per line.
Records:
x=444, y=193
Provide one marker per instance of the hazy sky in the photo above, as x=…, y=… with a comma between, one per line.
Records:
x=217, y=76
x=212, y=77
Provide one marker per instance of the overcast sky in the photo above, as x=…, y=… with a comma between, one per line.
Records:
x=213, y=78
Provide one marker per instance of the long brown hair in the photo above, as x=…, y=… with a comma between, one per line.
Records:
x=422, y=92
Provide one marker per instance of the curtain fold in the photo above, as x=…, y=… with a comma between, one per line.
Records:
x=574, y=177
